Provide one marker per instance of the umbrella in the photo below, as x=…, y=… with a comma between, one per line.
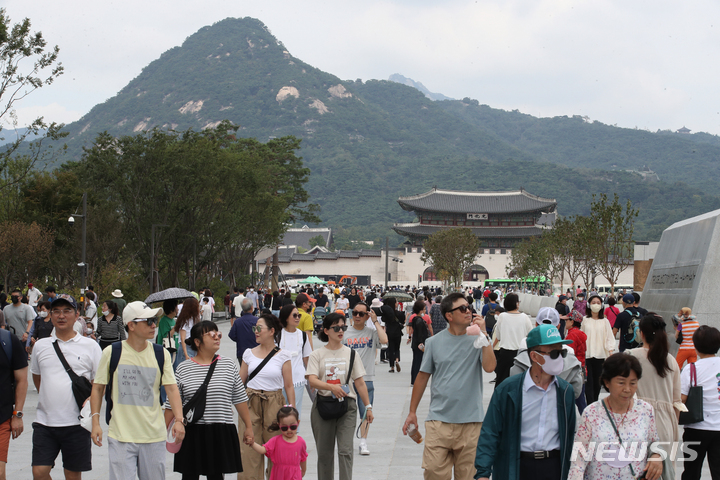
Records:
x=399, y=296
x=169, y=294
x=313, y=280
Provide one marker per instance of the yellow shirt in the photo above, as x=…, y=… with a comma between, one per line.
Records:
x=306, y=321
x=136, y=413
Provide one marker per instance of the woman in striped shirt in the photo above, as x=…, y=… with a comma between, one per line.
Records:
x=211, y=446
x=688, y=325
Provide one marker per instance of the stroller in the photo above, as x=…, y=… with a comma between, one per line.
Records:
x=318, y=317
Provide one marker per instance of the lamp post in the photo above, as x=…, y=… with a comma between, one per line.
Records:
x=82, y=264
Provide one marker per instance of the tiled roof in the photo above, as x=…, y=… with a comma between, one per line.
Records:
x=477, y=202
x=301, y=236
x=416, y=229
x=305, y=257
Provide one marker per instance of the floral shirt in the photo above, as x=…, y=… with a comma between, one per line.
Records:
x=595, y=427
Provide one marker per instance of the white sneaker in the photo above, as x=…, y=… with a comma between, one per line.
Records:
x=364, y=449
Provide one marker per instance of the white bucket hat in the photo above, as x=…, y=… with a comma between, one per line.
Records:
x=117, y=293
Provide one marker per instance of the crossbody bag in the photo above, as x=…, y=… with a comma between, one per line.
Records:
x=262, y=364
x=81, y=386
x=194, y=410
x=330, y=407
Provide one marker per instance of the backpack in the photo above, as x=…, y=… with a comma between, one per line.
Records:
x=6, y=340
x=115, y=360
x=632, y=331
x=490, y=320
x=419, y=328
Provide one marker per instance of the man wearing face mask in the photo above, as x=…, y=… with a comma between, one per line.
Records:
x=19, y=316
x=530, y=423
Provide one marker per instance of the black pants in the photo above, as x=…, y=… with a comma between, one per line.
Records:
x=592, y=387
x=545, y=469
x=709, y=445
x=218, y=476
x=393, y=350
x=504, y=364
x=417, y=360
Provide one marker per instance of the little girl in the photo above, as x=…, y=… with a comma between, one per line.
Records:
x=288, y=451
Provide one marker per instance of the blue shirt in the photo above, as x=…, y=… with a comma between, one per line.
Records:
x=242, y=334
x=539, y=430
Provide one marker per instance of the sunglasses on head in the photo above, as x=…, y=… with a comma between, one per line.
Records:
x=359, y=314
x=462, y=308
x=337, y=328
x=150, y=321
x=292, y=427
x=553, y=354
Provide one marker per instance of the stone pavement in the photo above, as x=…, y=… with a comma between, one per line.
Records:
x=393, y=455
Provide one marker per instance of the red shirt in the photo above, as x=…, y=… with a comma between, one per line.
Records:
x=611, y=314
x=579, y=343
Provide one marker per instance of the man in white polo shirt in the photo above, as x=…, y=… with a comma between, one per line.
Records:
x=57, y=428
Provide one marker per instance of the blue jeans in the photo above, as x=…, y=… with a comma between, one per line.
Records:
x=180, y=356
x=299, y=390
x=371, y=396
x=478, y=304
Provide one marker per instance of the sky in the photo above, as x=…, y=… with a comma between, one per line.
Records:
x=635, y=64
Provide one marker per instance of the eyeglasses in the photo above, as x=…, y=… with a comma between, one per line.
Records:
x=462, y=308
x=554, y=354
x=214, y=335
x=359, y=314
x=292, y=427
x=150, y=321
x=64, y=311
x=337, y=328
x=296, y=315
x=257, y=328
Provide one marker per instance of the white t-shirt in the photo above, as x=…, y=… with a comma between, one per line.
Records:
x=56, y=404
x=237, y=304
x=511, y=329
x=708, y=373
x=343, y=304
x=33, y=296
x=293, y=344
x=207, y=312
x=270, y=377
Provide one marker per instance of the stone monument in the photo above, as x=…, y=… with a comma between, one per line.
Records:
x=686, y=271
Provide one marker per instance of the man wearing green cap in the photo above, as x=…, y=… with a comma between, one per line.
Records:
x=530, y=423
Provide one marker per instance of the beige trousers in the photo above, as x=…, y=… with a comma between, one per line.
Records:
x=449, y=445
x=263, y=408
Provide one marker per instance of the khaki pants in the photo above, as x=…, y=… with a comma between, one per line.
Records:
x=263, y=408
x=329, y=432
x=449, y=445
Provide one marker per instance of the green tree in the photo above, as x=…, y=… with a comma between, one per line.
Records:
x=317, y=240
x=25, y=65
x=451, y=252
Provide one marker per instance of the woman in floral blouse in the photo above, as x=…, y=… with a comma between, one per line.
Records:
x=617, y=419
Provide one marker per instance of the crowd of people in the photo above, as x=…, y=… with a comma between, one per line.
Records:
x=166, y=387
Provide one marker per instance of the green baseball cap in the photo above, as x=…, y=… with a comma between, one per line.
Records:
x=545, y=335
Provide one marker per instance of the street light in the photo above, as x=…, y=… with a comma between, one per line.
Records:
x=82, y=263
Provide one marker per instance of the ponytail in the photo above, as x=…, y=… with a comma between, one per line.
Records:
x=652, y=327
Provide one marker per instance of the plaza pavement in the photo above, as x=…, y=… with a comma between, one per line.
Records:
x=394, y=456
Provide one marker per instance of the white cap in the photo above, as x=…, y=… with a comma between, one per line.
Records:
x=135, y=311
x=548, y=314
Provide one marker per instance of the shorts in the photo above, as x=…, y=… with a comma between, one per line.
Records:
x=5, y=432
x=74, y=443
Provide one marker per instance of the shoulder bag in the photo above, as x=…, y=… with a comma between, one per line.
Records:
x=81, y=386
x=195, y=408
x=262, y=364
x=694, y=401
x=612, y=422
x=330, y=407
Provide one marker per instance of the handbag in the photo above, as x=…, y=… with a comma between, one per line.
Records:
x=330, y=407
x=194, y=409
x=694, y=401
x=81, y=386
x=679, y=338
x=168, y=344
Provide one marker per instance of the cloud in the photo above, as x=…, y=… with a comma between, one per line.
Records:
x=53, y=112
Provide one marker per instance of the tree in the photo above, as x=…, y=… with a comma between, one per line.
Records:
x=615, y=249
x=451, y=252
x=21, y=49
x=24, y=250
x=317, y=240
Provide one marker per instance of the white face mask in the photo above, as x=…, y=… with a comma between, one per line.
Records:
x=595, y=307
x=552, y=367
x=106, y=313
x=42, y=314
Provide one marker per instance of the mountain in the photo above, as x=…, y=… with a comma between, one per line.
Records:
x=396, y=77
x=366, y=143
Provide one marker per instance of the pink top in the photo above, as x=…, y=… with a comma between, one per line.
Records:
x=286, y=457
x=611, y=314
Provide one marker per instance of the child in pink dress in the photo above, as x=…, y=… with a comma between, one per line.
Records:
x=288, y=451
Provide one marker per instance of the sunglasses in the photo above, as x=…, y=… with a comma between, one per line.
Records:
x=257, y=328
x=462, y=308
x=292, y=427
x=337, y=328
x=150, y=321
x=214, y=335
x=554, y=354
x=359, y=314
x=296, y=315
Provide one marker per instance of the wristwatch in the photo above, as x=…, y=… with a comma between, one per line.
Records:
x=17, y=414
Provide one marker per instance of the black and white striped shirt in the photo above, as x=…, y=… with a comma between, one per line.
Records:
x=224, y=391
